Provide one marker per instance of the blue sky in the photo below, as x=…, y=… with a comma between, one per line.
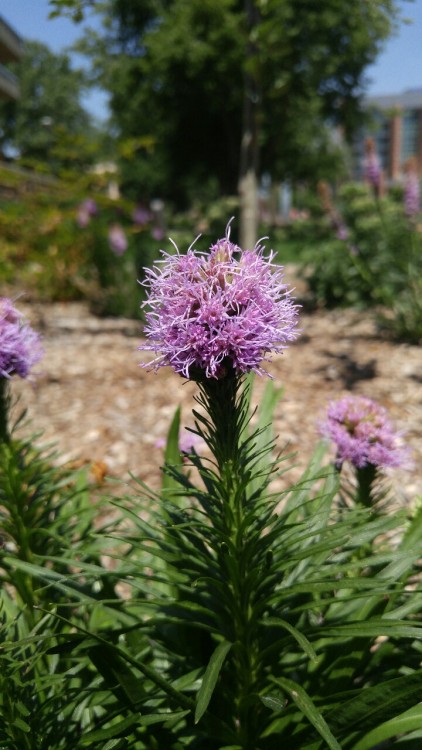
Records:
x=397, y=69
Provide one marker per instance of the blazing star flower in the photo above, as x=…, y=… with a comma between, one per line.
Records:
x=371, y=166
x=141, y=215
x=217, y=312
x=157, y=233
x=188, y=441
x=117, y=239
x=86, y=211
x=20, y=346
x=362, y=433
x=411, y=189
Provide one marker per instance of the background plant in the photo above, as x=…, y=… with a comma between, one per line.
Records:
x=371, y=257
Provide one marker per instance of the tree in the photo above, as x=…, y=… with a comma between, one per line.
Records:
x=183, y=71
x=47, y=125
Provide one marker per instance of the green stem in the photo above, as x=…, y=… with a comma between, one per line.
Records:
x=4, y=410
x=365, y=478
x=226, y=407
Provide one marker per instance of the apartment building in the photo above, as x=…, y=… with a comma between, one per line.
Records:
x=11, y=50
x=396, y=130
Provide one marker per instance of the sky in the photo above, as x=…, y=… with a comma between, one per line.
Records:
x=398, y=68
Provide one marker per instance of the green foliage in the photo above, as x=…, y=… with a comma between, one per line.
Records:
x=47, y=125
x=376, y=263
x=196, y=66
x=241, y=621
x=50, y=257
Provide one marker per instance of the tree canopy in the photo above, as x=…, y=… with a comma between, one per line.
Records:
x=190, y=80
x=47, y=124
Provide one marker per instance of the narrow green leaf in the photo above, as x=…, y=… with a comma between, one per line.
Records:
x=120, y=729
x=306, y=705
x=275, y=704
x=21, y=724
x=408, y=721
x=112, y=744
x=375, y=705
x=210, y=678
x=297, y=635
x=163, y=718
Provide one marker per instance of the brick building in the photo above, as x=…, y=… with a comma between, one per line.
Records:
x=11, y=50
x=396, y=130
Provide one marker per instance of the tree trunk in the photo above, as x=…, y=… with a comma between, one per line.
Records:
x=249, y=149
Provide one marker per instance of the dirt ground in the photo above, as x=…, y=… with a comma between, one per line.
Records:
x=97, y=404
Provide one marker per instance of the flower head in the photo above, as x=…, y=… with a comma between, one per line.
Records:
x=141, y=215
x=362, y=433
x=411, y=189
x=218, y=312
x=86, y=211
x=371, y=165
x=20, y=346
x=188, y=441
x=117, y=239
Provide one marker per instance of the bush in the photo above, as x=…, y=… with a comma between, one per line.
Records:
x=371, y=256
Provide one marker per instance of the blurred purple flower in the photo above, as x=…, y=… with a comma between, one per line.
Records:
x=371, y=166
x=141, y=215
x=362, y=433
x=212, y=313
x=157, y=233
x=20, y=345
x=86, y=211
x=342, y=232
x=117, y=239
x=411, y=189
x=188, y=441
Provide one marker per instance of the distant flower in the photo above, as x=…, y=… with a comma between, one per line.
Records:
x=371, y=166
x=117, y=239
x=342, y=233
x=157, y=233
x=411, y=189
x=86, y=211
x=362, y=433
x=188, y=441
x=141, y=215
x=20, y=345
x=212, y=313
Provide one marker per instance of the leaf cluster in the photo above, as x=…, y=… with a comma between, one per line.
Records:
x=193, y=66
x=226, y=615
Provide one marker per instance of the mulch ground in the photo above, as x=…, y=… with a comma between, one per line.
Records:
x=94, y=401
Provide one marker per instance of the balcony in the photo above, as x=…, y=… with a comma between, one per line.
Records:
x=9, y=86
x=11, y=50
x=11, y=45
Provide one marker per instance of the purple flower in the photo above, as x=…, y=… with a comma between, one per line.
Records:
x=362, y=433
x=411, y=192
x=188, y=441
x=342, y=233
x=117, y=239
x=86, y=211
x=212, y=313
x=371, y=166
x=20, y=346
x=157, y=233
x=141, y=215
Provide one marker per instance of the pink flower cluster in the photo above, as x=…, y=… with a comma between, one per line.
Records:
x=20, y=346
x=362, y=433
x=218, y=312
x=411, y=194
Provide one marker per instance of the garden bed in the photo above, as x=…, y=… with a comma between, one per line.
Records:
x=94, y=401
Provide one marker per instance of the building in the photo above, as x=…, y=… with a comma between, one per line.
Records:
x=396, y=130
x=11, y=50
